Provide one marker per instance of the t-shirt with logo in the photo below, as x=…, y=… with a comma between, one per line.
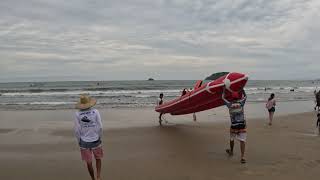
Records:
x=236, y=111
x=237, y=117
x=88, y=125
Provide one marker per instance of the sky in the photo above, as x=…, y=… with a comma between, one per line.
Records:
x=56, y=40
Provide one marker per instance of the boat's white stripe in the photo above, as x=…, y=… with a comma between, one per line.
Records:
x=207, y=88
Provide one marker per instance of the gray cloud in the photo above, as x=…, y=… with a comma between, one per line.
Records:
x=135, y=39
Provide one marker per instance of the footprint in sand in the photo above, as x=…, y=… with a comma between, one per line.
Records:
x=312, y=164
x=6, y=131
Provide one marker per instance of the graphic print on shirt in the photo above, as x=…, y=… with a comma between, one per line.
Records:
x=85, y=119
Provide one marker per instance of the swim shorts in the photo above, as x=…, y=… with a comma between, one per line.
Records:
x=273, y=109
x=240, y=136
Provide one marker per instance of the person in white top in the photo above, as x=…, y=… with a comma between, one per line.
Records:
x=271, y=106
x=88, y=131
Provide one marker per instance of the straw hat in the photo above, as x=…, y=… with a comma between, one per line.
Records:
x=86, y=102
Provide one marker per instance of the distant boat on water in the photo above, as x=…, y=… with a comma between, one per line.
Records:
x=150, y=79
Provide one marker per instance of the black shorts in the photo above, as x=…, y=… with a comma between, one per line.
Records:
x=89, y=145
x=273, y=109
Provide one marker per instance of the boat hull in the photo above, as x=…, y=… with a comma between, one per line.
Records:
x=206, y=97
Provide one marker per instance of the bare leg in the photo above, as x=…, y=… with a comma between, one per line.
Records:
x=231, y=145
x=230, y=151
x=270, y=118
x=160, y=119
x=98, y=166
x=242, y=148
x=90, y=169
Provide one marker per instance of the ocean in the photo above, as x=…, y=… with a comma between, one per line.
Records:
x=133, y=94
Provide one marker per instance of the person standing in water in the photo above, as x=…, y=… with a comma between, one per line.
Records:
x=88, y=131
x=160, y=102
x=271, y=106
x=238, y=123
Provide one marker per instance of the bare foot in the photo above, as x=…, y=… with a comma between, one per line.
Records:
x=243, y=161
x=229, y=152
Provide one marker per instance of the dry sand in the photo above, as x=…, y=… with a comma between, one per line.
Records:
x=183, y=150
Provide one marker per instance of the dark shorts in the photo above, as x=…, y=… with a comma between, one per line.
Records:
x=89, y=145
x=273, y=109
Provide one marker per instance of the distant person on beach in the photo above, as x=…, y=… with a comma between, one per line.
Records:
x=271, y=106
x=184, y=92
x=318, y=121
x=317, y=96
x=160, y=102
x=88, y=131
x=238, y=122
x=315, y=100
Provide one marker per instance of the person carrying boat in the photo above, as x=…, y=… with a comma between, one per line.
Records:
x=317, y=96
x=318, y=121
x=160, y=102
x=238, y=122
x=184, y=92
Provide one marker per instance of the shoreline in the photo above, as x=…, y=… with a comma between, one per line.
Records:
x=136, y=117
x=70, y=106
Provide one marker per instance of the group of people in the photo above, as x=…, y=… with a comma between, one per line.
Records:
x=88, y=126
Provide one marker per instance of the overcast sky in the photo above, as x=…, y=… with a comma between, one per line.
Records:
x=165, y=39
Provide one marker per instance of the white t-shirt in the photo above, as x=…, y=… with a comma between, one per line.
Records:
x=270, y=104
x=88, y=125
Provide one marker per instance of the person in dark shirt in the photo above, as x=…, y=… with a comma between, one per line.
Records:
x=160, y=102
x=317, y=94
x=318, y=121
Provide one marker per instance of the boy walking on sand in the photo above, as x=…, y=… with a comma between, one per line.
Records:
x=238, y=122
x=88, y=131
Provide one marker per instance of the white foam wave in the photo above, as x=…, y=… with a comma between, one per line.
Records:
x=39, y=103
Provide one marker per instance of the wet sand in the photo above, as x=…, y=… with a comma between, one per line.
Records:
x=34, y=149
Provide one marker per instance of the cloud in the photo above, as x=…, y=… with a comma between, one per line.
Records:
x=135, y=39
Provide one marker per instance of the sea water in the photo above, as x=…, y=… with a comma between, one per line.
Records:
x=133, y=94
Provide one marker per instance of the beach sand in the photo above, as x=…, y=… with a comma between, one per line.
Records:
x=40, y=145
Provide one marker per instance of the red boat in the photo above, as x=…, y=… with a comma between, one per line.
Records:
x=206, y=96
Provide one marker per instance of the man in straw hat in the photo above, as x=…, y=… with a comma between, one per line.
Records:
x=88, y=130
